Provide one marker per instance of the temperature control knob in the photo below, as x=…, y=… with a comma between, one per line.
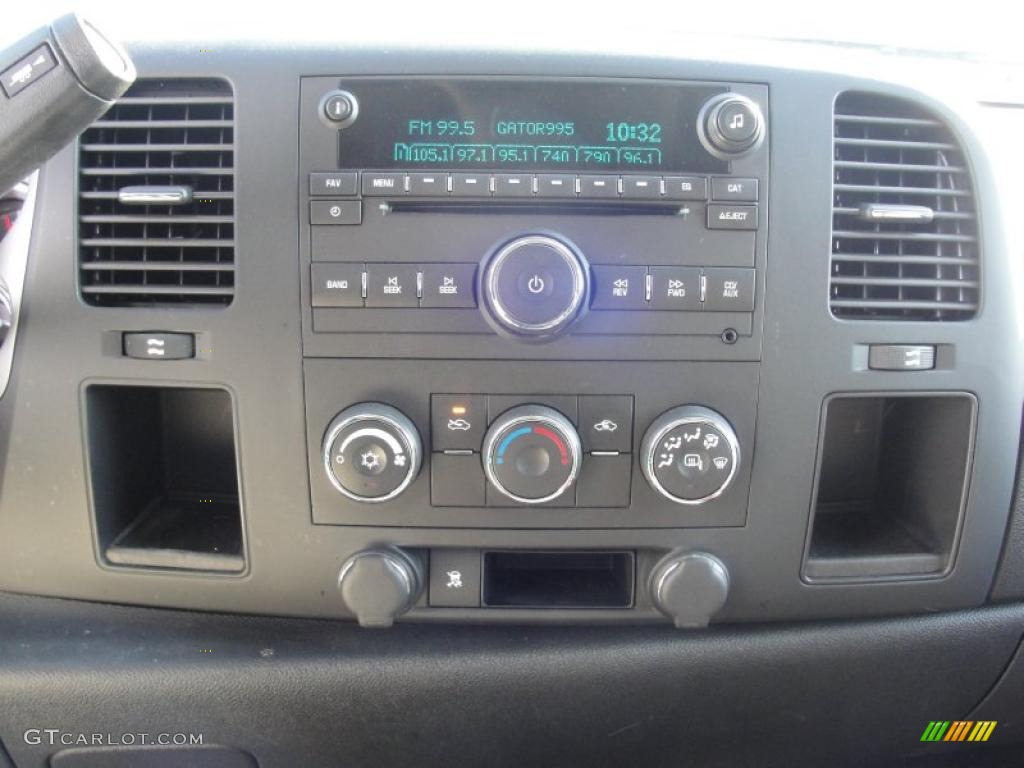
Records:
x=371, y=452
x=534, y=287
x=690, y=454
x=532, y=454
x=731, y=125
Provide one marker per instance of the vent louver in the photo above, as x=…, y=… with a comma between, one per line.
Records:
x=164, y=137
x=904, y=229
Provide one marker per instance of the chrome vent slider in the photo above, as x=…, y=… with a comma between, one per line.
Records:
x=918, y=214
x=154, y=195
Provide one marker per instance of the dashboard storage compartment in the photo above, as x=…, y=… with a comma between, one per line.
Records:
x=892, y=482
x=558, y=579
x=164, y=477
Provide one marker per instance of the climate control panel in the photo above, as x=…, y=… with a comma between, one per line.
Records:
x=408, y=446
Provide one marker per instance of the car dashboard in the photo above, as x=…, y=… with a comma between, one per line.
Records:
x=601, y=388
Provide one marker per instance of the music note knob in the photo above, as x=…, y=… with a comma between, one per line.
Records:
x=731, y=125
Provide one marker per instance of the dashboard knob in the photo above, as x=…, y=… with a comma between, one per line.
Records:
x=535, y=286
x=371, y=452
x=731, y=125
x=532, y=454
x=339, y=109
x=690, y=588
x=379, y=585
x=690, y=454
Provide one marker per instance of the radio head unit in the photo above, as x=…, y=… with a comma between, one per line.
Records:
x=460, y=217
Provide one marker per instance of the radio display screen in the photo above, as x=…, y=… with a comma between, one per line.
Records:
x=552, y=125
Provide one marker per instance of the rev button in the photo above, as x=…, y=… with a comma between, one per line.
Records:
x=619, y=287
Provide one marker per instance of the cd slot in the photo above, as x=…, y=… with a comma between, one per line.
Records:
x=549, y=207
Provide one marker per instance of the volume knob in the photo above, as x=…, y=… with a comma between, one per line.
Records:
x=534, y=287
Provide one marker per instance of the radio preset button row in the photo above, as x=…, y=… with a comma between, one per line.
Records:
x=428, y=286
x=715, y=289
x=558, y=185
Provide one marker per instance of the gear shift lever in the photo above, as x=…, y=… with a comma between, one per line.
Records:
x=53, y=84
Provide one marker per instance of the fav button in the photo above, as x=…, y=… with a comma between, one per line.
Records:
x=333, y=183
x=391, y=285
x=448, y=286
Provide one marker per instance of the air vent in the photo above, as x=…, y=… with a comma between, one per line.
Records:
x=904, y=228
x=156, y=197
